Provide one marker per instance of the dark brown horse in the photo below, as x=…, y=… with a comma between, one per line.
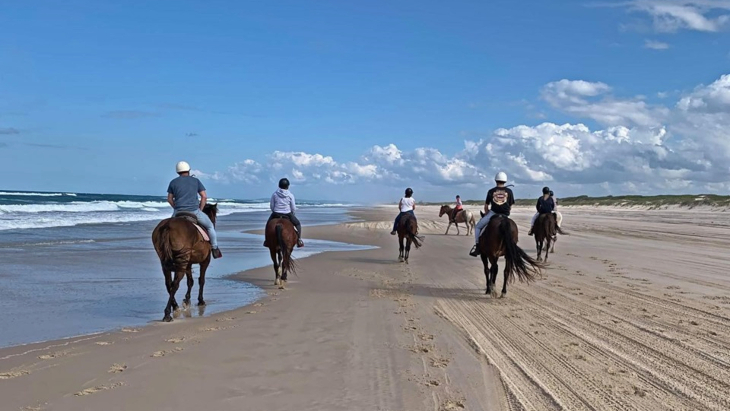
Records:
x=280, y=238
x=546, y=234
x=464, y=216
x=179, y=245
x=408, y=230
x=499, y=239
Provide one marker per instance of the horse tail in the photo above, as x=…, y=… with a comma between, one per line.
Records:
x=164, y=249
x=517, y=261
x=415, y=239
x=287, y=263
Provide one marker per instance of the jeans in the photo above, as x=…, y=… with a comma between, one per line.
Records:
x=397, y=219
x=481, y=225
x=206, y=223
x=558, y=218
x=293, y=218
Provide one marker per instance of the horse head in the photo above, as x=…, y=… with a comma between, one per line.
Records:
x=444, y=209
x=211, y=210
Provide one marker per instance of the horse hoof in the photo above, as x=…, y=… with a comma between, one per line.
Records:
x=503, y=295
x=201, y=303
x=167, y=318
x=277, y=281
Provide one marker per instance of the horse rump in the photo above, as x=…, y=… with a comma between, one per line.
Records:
x=524, y=267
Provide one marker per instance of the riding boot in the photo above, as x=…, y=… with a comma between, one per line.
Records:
x=530, y=232
x=475, y=251
x=300, y=243
x=217, y=253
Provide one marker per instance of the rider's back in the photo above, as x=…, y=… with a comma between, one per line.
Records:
x=500, y=200
x=185, y=189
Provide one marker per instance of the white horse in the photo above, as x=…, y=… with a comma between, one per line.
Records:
x=465, y=216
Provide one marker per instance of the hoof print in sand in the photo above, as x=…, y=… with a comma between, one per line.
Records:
x=94, y=390
x=116, y=368
x=13, y=374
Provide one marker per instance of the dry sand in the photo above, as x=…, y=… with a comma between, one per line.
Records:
x=631, y=314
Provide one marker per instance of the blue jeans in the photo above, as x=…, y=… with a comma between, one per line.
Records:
x=397, y=219
x=205, y=222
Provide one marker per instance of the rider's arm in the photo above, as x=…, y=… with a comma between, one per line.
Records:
x=203, y=199
x=292, y=204
x=414, y=205
x=400, y=204
x=171, y=200
x=487, y=201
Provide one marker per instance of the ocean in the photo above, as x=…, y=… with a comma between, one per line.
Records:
x=74, y=263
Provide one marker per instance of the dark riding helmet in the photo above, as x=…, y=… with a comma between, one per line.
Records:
x=546, y=190
x=409, y=192
x=284, y=184
x=551, y=193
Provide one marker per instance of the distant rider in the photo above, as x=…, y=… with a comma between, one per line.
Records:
x=182, y=194
x=545, y=205
x=458, y=208
x=499, y=201
x=282, y=203
x=406, y=205
x=558, y=215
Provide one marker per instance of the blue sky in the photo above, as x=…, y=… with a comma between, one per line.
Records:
x=358, y=101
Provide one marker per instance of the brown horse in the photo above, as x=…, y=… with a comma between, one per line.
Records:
x=546, y=233
x=408, y=230
x=281, y=236
x=464, y=216
x=499, y=239
x=179, y=245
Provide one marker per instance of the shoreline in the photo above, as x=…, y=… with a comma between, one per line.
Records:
x=631, y=306
x=233, y=276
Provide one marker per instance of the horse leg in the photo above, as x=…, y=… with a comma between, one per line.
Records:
x=548, y=243
x=401, y=249
x=275, y=261
x=408, y=248
x=280, y=272
x=485, y=262
x=458, y=232
x=504, y=286
x=538, y=246
x=555, y=240
x=493, y=275
x=201, y=281
x=448, y=227
x=171, y=300
x=189, y=275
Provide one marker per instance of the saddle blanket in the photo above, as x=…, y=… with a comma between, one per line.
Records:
x=191, y=217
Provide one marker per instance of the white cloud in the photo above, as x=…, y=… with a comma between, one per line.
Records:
x=639, y=148
x=581, y=98
x=655, y=45
x=673, y=15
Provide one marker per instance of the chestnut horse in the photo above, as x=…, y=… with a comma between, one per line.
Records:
x=280, y=238
x=179, y=245
x=464, y=216
x=408, y=229
x=499, y=239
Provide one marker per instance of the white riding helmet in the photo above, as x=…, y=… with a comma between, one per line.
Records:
x=501, y=177
x=182, y=167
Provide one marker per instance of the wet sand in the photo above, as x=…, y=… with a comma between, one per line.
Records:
x=633, y=313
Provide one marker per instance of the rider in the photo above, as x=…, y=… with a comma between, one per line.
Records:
x=182, y=194
x=558, y=215
x=406, y=205
x=499, y=201
x=545, y=205
x=282, y=204
x=458, y=208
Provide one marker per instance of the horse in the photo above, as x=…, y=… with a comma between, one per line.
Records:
x=179, y=245
x=281, y=236
x=464, y=216
x=408, y=229
x=546, y=230
x=499, y=239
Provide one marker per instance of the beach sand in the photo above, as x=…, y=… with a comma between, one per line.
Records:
x=633, y=313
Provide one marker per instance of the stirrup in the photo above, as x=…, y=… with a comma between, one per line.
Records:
x=475, y=251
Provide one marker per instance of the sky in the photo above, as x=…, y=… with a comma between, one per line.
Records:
x=355, y=101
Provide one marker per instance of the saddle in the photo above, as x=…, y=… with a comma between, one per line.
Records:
x=285, y=217
x=193, y=219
